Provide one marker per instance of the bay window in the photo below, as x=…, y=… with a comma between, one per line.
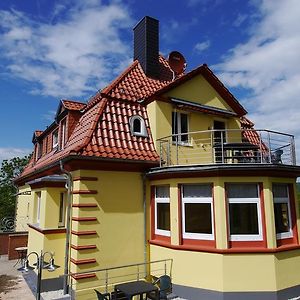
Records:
x=282, y=211
x=197, y=212
x=162, y=210
x=244, y=212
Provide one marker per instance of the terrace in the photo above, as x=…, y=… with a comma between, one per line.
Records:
x=230, y=146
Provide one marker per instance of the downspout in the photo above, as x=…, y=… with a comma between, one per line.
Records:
x=145, y=223
x=68, y=225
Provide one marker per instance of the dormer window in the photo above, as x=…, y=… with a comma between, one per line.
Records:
x=137, y=126
x=55, y=139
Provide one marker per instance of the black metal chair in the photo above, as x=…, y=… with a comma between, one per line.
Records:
x=276, y=156
x=100, y=296
x=164, y=284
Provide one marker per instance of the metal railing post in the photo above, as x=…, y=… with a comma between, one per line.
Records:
x=177, y=150
x=260, y=149
x=165, y=268
x=168, y=153
x=138, y=273
x=160, y=153
x=269, y=147
x=106, y=281
x=293, y=150
x=222, y=147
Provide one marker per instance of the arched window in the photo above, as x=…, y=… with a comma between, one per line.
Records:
x=137, y=126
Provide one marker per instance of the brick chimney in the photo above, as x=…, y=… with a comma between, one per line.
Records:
x=146, y=45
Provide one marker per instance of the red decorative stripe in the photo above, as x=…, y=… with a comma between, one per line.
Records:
x=86, y=232
x=83, y=261
x=83, y=276
x=85, y=178
x=84, y=219
x=82, y=205
x=83, y=247
x=85, y=192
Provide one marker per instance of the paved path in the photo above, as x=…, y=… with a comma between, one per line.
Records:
x=12, y=283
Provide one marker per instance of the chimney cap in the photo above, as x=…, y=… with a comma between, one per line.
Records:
x=147, y=18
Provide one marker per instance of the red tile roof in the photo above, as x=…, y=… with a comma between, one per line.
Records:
x=112, y=137
x=133, y=84
x=73, y=105
x=103, y=128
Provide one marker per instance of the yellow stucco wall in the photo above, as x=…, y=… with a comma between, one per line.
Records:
x=200, y=149
x=23, y=209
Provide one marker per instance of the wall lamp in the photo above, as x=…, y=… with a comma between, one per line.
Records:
x=40, y=264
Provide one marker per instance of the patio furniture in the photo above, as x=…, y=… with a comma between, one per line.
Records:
x=136, y=288
x=100, y=296
x=22, y=252
x=276, y=156
x=165, y=287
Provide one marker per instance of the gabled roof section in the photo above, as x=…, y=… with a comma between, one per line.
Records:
x=212, y=79
x=134, y=85
x=70, y=105
x=36, y=134
x=112, y=136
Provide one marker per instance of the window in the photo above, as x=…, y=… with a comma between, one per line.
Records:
x=38, y=207
x=282, y=211
x=62, y=210
x=40, y=149
x=63, y=133
x=55, y=139
x=137, y=126
x=197, y=212
x=162, y=210
x=179, y=127
x=244, y=212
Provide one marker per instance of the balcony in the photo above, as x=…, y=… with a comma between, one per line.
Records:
x=235, y=146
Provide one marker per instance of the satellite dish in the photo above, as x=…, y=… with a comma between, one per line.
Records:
x=177, y=62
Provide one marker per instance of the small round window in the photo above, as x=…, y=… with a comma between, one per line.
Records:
x=137, y=126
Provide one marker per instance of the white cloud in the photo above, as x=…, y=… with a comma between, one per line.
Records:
x=268, y=65
x=8, y=153
x=239, y=20
x=200, y=47
x=71, y=56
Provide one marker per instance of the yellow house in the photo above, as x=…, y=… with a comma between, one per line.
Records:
x=161, y=165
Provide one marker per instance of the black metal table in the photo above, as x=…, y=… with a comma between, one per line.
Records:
x=134, y=288
x=237, y=150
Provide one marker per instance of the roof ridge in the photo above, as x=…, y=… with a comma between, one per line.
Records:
x=93, y=125
x=113, y=84
x=75, y=101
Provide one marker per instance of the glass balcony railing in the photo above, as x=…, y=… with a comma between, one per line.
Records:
x=235, y=146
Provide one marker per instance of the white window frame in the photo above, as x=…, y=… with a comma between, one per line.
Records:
x=143, y=131
x=257, y=201
x=63, y=132
x=62, y=198
x=161, y=200
x=55, y=140
x=205, y=200
x=179, y=133
x=285, y=200
x=38, y=208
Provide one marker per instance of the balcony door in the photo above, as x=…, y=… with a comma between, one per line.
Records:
x=219, y=137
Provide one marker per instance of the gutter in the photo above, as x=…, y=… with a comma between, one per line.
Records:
x=145, y=221
x=68, y=225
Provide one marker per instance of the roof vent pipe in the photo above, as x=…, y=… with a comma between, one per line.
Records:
x=146, y=45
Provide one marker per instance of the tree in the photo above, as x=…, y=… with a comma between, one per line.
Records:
x=10, y=169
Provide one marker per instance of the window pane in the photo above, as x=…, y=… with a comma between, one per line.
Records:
x=280, y=191
x=281, y=217
x=174, y=123
x=198, y=218
x=242, y=190
x=137, y=125
x=184, y=127
x=163, y=216
x=162, y=191
x=200, y=190
x=61, y=208
x=243, y=218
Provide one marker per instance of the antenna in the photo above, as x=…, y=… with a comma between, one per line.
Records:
x=177, y=63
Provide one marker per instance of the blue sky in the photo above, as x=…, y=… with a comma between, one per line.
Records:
x=51, y=50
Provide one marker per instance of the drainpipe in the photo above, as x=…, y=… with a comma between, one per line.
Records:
x=145, y=221
x=68, y=225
